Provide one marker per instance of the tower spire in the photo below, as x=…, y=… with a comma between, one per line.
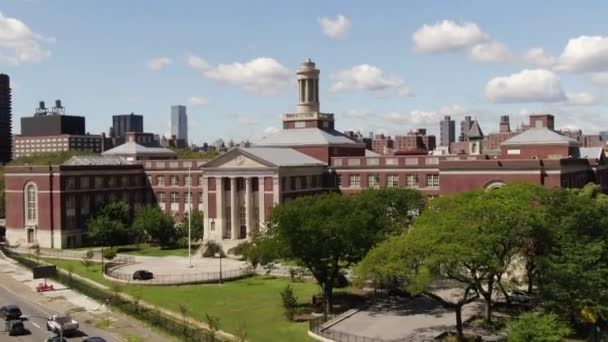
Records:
x=308, y=88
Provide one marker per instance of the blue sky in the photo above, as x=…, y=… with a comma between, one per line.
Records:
x=386, y=66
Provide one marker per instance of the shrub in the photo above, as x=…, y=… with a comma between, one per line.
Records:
x=241, y=249
x=212, y=248
x=536, y=327
x=109, y=253
x=290, y=302
x=87, y=260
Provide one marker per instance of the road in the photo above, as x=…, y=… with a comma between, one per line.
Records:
x=36, y=315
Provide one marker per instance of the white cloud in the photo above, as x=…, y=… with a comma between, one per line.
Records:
x=197, y=101
x=357, y=113
x=336, y=28
x=491, y=52
x=584, y=54
x=447, y=36
x=159, y=63
x=580, y=99
x=19, y=44
x=538, y=57
x=367, y=77
x=600, y=78
x=262, y=75
x=536, y=85
x=453, y=109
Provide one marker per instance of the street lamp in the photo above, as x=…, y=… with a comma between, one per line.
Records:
x=189, y=216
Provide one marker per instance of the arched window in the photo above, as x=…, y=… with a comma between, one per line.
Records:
x=31, y=204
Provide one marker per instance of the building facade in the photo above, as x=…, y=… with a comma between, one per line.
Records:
x=6, y=119
x=30, y=145
x=236, y=191
x=124, y=123
x=179, y=123
x=447, y=131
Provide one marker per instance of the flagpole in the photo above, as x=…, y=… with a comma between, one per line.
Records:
x=190, y=216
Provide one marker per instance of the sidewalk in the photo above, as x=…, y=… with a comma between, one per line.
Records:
x=82, y=308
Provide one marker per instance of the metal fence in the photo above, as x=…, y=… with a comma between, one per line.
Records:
x=172, y=279
x=70, y=254
x=321, y=326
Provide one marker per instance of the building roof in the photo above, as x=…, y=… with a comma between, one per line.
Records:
x=282, y=156
x=475, y=131
x=590, y=152
x=540, y=136
x=133, y=148
x=96, y=160
x=305, y=136
x=370, y=153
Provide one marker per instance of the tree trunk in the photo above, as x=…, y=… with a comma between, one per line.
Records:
x=487, y=296
x=530, y=274
x=459, y=329
x=327, y=294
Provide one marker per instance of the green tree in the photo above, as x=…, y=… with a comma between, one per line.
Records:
x=536, y=327
x=212, y=248
x=196, y=225
x=573, y=269
x=290, y=302
x=328, y=233
x=156, y=225
x=49, y=158
x=109, y=225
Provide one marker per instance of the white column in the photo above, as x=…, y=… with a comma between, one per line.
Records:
x=234, y=217
x=207, y=228
x=262, y=214
x=248, y=206
x=275, y=190
x=306, y=91
x=220, y=222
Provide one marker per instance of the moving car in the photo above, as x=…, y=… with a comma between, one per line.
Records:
x=142, y=275
x=519, y=297
x=94, y=339
x=10, y=312
x=15, y=327
x=63, y=323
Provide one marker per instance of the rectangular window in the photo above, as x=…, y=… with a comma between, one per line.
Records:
x=188, y=197
x=200, y=198
x=70, y=202
x=160, y=180
x=70, y=183
x=294, y=183
x=303, y=182
x=200, y=181
x=391, y=161
x=412, y=181
x=354, y=181
x=124, y=181
x=187, y=180
x=111, y=181
x=85, y=204
x=373, y=181
x=392, y=181
x=173, y=180
x=354, y=161
x=372, y=161
x=99, y=182
x=160, y=197
x=432, y=180
x=174, y=197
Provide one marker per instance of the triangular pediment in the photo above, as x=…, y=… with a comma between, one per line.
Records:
x=237, y=159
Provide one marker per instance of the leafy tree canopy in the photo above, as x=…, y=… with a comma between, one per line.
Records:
x=186, y=153
x=49, y=158
x=536, y=327
x=109, y=225
x=156, y=225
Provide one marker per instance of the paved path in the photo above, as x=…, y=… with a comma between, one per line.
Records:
x=416, y=319
x=18, y=287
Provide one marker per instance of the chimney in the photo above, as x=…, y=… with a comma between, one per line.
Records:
x=542, y=120
x=504, y=124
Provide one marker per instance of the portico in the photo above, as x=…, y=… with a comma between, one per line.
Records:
x=242, y=185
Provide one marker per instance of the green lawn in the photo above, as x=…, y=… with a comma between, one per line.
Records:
x=253, y=302
x=150, y=250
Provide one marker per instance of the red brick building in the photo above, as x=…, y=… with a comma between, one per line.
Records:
x=236, y=191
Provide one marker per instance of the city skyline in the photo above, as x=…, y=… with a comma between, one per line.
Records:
x=432, y=61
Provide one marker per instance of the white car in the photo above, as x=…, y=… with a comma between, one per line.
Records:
x=61, y=323
x=519, y=297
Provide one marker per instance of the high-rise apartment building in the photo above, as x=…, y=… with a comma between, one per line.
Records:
x=6, y=137
x=447, y=131
x=179, y=123
x=124, y=123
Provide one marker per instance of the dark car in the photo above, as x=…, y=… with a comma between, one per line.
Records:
x=93, y=339
x=56, y=339
x=15, y=328
x=142, y=275
x=10, y=312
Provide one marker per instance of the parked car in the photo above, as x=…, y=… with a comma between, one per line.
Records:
x=55, y=339
x=10, y=312
x=63, y=323
x=143, y=275
x=94, y=339
x=519, y=297
x=15, y=327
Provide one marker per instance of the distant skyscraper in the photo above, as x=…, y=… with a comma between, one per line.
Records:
x=6, y=138
x=179, y=123
x=465, y=126
x=447, y=131
x=124, y=123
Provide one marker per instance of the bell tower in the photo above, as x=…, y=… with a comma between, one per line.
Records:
x=308, y=88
